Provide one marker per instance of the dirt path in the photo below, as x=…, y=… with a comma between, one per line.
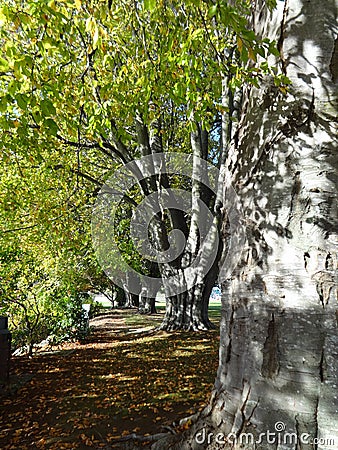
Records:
x=119, y=381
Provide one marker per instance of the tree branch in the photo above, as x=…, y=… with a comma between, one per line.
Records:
x=13, y=230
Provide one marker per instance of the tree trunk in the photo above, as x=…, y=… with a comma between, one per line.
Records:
x=121, y=298
x=189, y=310
x=129, y=300
x=146, y=303
x=186, y=311
x=277, y=380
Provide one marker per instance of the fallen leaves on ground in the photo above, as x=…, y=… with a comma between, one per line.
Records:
x=88, y=395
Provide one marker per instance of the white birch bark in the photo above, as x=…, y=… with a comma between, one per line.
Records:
x=279, y=340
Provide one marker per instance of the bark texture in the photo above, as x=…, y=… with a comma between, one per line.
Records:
x=188, y=311
x=203, y=251
x=279, y=344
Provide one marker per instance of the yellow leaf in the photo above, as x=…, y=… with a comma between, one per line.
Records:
x=3, y=18
x=52, y=5
x=252, y=54
x=187, y=424
x=78, y=4
x=95, y=37
x=283, y=90
x=90, y=24
x=239, y=44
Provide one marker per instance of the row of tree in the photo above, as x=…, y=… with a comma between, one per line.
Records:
x=88, y=89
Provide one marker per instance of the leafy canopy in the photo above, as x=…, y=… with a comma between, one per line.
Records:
x=77, y=70
x=77, y=78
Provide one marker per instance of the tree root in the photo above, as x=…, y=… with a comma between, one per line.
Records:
x=174, y=430
x=189, y=419
x=141, y=438
x=172, y=326
x=142, y=333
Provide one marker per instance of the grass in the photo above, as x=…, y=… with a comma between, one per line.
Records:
x=138, y=320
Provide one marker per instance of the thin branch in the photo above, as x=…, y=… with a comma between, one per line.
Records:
x=101, y=184
x=78, y=172
x=219, y=56
x=13, y=230
x=78, y=144
x=95, y=145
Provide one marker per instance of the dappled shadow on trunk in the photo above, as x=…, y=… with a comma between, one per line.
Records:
x=273, y=385
x=188, y=311
x=279, y=340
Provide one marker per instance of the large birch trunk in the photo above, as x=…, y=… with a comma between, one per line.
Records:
x=189, y=310
x=277, y=380
x=189, y=276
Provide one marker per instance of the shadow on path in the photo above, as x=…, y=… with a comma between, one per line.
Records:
x=86, y=395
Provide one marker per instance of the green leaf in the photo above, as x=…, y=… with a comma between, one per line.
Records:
x=3, y=18
x=47, y=108
x=149, y=5
x=52, y=126
x=273, y=49
x=22, y=101
x=3, y=64
x=244, y=55
x=249, y=35
x=271, y=4
x=212, y=10
x=285, y=79
x=261, y=51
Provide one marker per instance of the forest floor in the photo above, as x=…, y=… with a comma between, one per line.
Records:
x=124, y=378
